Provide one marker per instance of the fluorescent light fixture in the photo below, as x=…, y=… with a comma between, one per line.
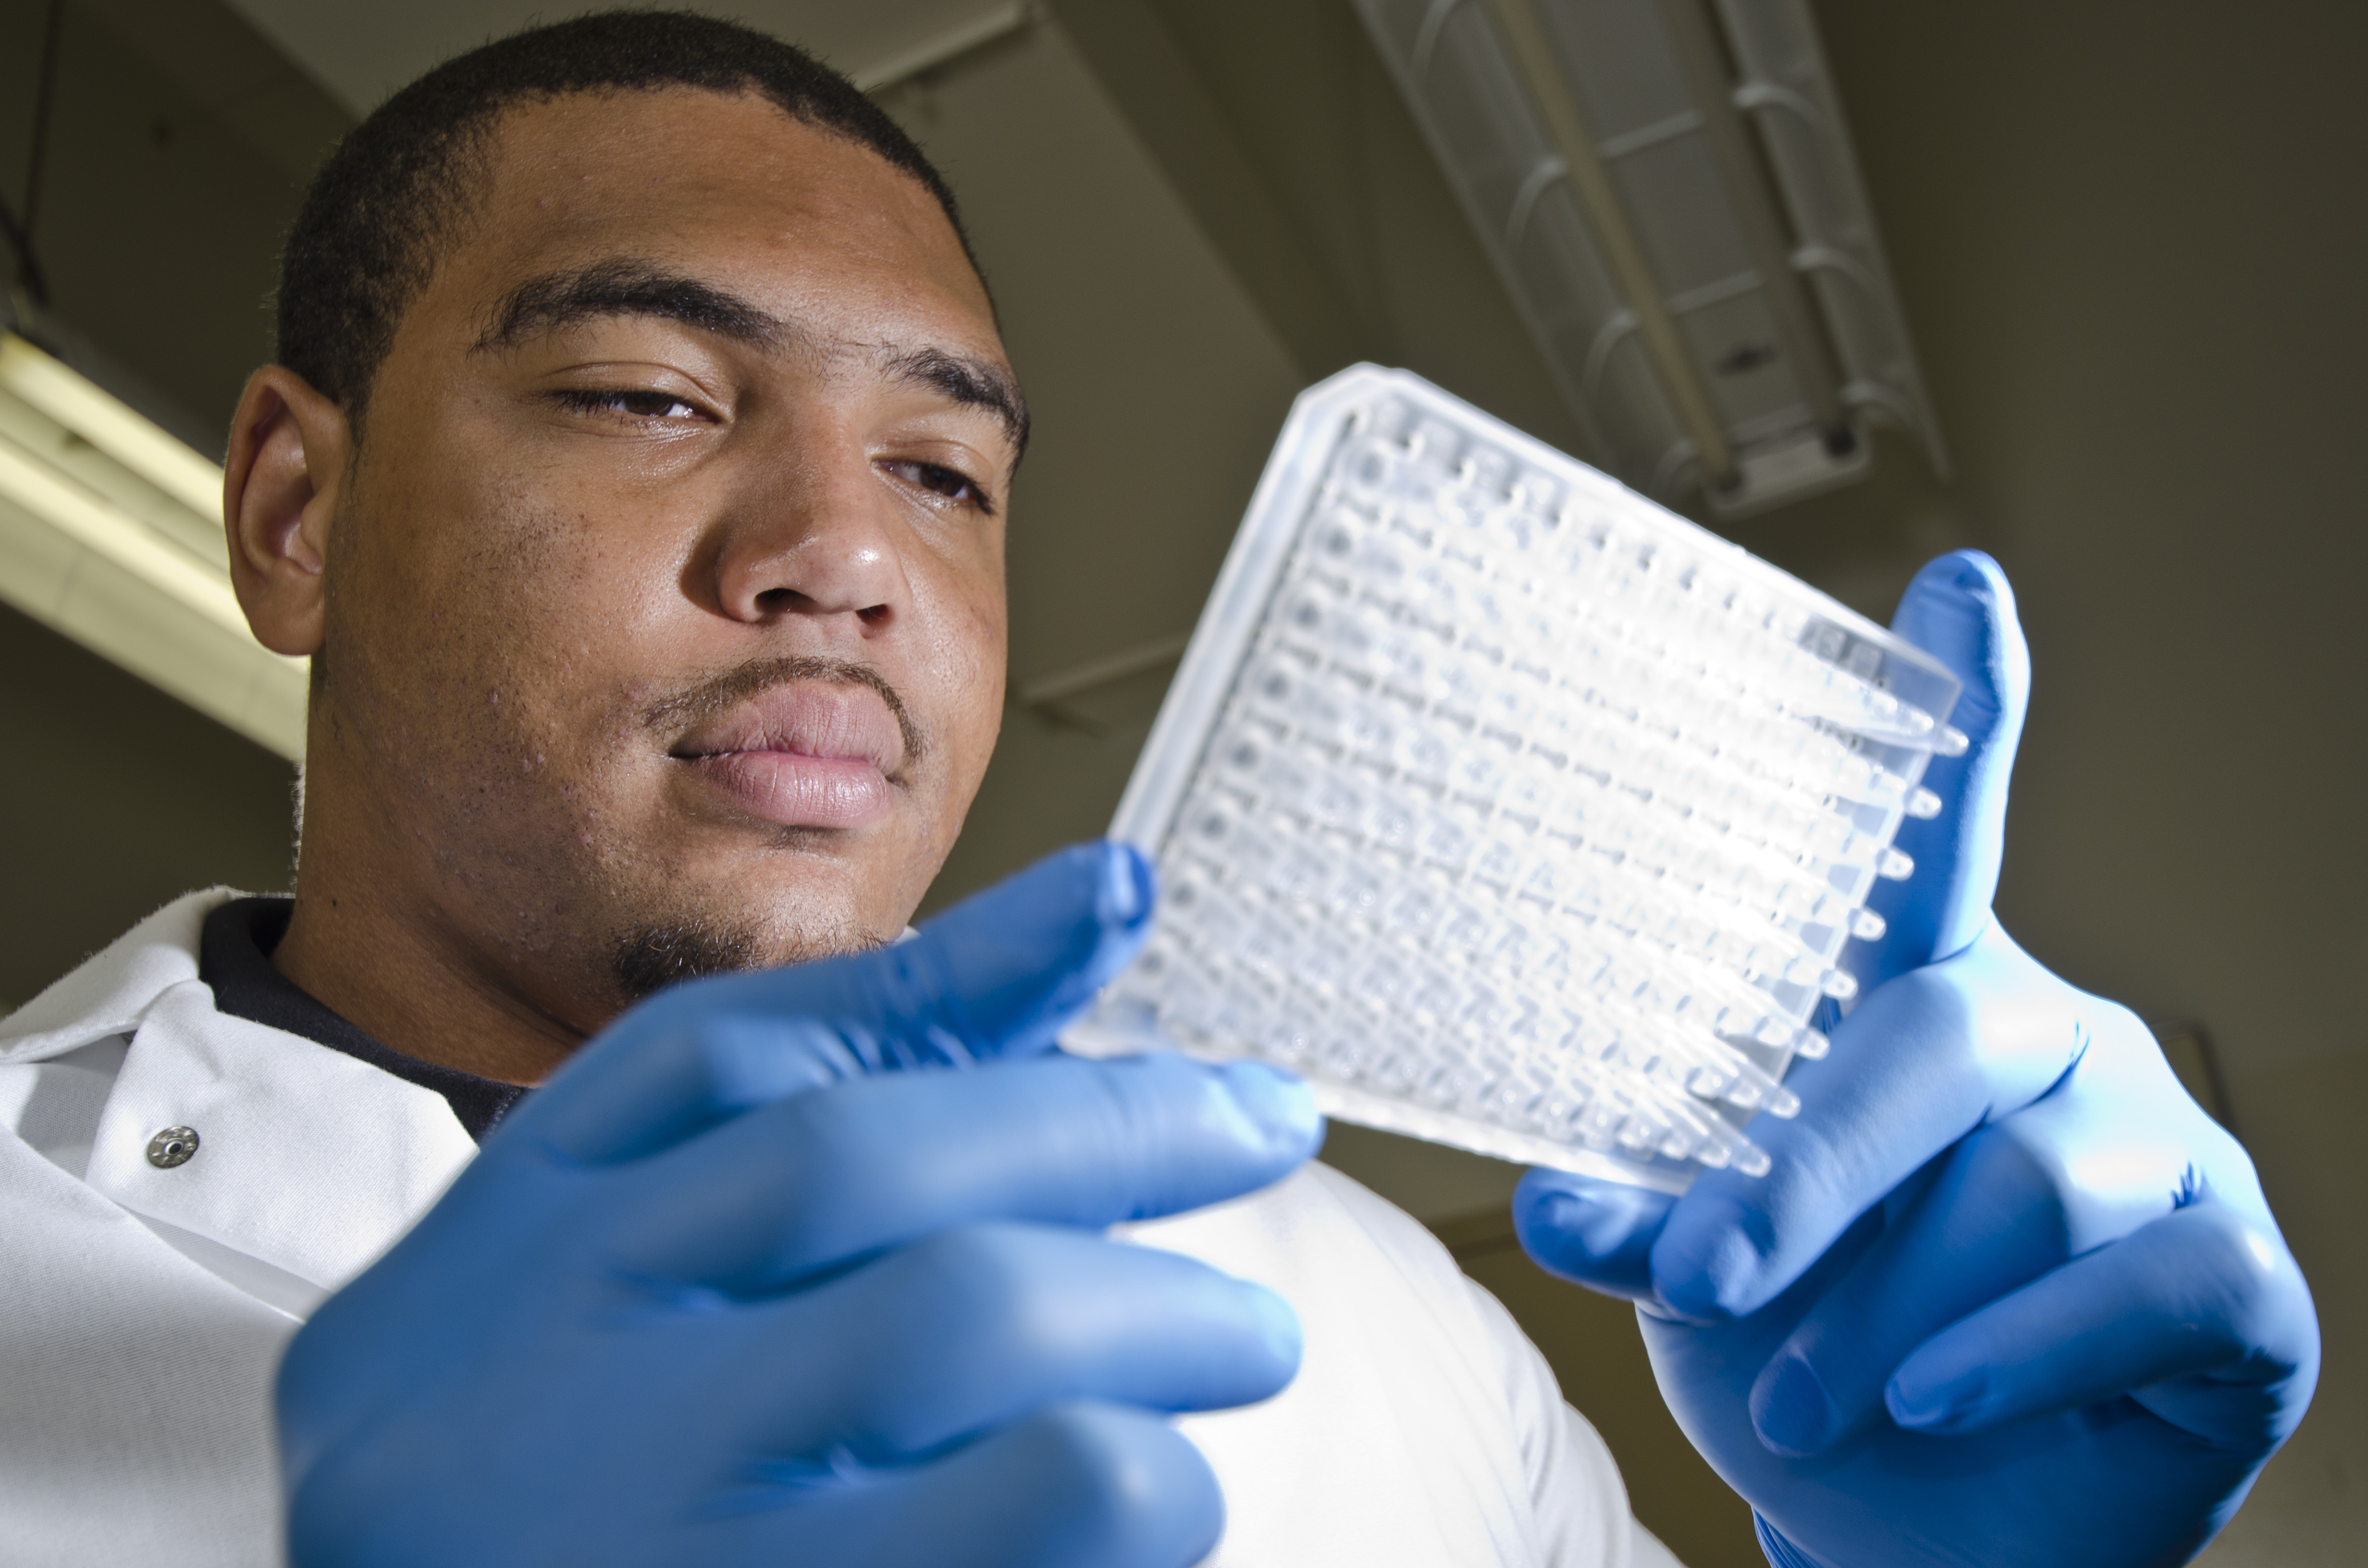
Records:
x=1668, y=191
x=111, y=532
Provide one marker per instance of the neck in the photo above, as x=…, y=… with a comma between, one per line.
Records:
x=394, y=972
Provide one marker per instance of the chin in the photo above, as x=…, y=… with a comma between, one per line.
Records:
x=747, y=916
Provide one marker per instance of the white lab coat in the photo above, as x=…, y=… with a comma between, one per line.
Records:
x=142, y=1310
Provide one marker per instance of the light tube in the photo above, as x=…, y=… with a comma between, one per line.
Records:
x=110, y=533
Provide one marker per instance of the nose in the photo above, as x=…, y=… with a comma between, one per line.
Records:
x=816, y=539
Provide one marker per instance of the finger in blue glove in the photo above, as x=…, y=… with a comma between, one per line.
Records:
x=806, y=1265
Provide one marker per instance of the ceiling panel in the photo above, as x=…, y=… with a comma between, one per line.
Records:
x=363, y=50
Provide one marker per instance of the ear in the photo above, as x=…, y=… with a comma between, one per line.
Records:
x=290, y=449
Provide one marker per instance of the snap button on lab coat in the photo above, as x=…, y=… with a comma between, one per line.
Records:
x=172, y=1147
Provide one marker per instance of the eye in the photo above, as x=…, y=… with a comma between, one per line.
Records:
x=633, y=403
x=938, y=480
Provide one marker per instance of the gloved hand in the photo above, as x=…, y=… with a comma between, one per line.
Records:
x=2009, y=1296
x=805, y=1266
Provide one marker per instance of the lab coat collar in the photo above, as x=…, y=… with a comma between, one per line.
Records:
x=114, y=988
x=309, y=1160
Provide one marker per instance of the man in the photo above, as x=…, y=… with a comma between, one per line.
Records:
x=635, y=470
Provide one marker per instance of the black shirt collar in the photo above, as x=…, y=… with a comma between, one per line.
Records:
x=235, y=958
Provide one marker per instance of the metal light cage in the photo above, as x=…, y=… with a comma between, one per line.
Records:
x=1668, y=189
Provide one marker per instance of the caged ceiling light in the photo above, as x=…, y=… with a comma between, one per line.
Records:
x=110, y=533
x=1668, y=189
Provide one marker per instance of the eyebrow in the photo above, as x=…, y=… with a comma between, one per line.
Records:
x=974, y=383
x=557, y=301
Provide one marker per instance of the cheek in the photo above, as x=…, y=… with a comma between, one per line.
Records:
x=965, y=633
x=496, y=626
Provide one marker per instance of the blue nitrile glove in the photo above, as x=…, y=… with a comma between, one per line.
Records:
x=773, y=1273
x=2009, y=1296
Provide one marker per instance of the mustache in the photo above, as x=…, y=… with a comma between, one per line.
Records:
x=697, y=704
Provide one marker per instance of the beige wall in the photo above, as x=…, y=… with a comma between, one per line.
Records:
x=2132, y=243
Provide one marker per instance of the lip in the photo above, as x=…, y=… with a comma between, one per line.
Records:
x=808, y=754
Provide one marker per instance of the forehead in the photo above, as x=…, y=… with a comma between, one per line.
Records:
x=802, y=222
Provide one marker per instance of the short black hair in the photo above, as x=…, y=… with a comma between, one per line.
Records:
x=402, y=185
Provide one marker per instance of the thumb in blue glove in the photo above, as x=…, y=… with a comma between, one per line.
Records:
x=807, y=1266
x=2008, y=1295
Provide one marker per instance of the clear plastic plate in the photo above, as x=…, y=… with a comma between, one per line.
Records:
x=1513, y=811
